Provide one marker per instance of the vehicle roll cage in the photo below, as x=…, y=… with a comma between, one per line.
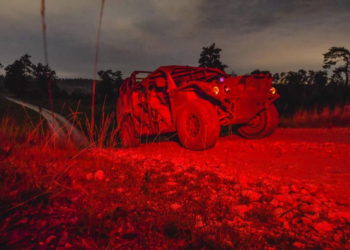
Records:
x=180, y=74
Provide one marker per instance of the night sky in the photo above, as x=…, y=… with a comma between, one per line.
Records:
x=275, y=35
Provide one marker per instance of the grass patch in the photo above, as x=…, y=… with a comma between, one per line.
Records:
x=323, y=118
x=19, y=123
x=103, y=198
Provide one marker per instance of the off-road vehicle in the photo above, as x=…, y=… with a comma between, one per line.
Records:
x=195, y=102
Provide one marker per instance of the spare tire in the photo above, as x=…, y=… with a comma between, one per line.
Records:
x=198, y=125
x=262, y=125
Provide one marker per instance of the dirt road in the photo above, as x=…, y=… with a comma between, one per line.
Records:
x=315, y=156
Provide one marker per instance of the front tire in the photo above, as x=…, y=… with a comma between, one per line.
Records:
x=198, y=125
x=127, y=134
x=262, y=125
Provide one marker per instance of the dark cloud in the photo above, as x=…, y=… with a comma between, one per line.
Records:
x=256, y=15
x=277, y=35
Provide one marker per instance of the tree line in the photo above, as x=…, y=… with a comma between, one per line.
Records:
x=336, y=59
x=302, y=89
x=26, y=79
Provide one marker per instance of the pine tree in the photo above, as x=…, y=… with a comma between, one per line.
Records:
x=210, y=57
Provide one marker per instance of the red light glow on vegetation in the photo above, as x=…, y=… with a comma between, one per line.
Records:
x=287, y=191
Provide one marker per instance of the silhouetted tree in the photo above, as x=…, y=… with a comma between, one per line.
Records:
x=19, y=75
x=292, y=78
x=336, y=78
x=210, y=57
x=27, y=79
x=295, y=78
x=302, y=77
x=109, y=85
x=310, y=77
x=258, y=71
x=43, y=76
x=276, y=78
x=320, y=78
x=333, y=57
x=281, y=78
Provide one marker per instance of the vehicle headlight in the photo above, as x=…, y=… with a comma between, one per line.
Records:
x=273, y=91
x=216, y=90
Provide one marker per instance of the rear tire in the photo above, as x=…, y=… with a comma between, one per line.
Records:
x=198, y=125
x=262, y=125
x=127, y=134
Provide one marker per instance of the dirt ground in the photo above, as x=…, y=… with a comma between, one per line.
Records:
x=315, y=156
x=290, y=190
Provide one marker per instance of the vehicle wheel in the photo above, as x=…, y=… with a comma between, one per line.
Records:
x=198, y=125
x=127, y=134
x=262, y=125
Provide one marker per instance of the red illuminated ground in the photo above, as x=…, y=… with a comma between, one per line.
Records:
x=287, y=191
x=318, y=156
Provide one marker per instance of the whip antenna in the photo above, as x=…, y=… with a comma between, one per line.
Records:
x=95, y=71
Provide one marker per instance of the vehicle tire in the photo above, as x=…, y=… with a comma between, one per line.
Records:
x=198, y=125
x=262, y=125
x=127, y=134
